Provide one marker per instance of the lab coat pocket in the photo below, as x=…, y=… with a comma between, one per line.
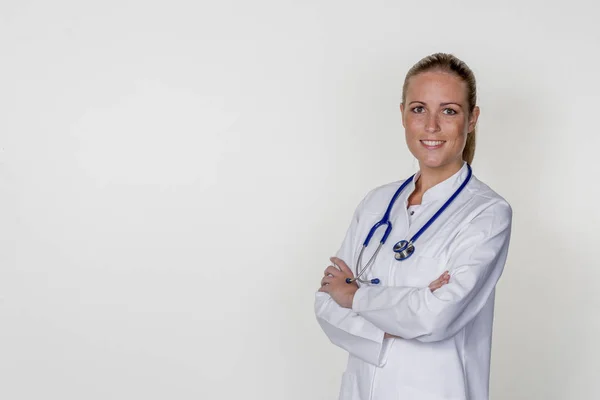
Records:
x=349, y=389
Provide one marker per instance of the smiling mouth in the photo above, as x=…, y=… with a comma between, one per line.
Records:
x=433, y=143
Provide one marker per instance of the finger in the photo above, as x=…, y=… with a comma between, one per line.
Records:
x=324, y=289
x=444, y=275
x=342, y=265
x=444, y=279
x=331, y=270
x=434, y=288
x=438, y=286
x=437, y=281
x=326, y=280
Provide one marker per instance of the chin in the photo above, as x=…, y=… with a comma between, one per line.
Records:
x=429, y=163
x=435, y=163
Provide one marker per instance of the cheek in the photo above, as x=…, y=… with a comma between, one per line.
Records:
x=412, y=126
x=455, y=128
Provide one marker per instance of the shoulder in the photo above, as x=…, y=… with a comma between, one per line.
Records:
x=484, y=200
x=379, y=197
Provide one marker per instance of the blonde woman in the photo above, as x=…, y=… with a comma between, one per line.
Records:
x=415, y=315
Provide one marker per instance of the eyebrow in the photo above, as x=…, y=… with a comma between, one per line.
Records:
x=441, y=104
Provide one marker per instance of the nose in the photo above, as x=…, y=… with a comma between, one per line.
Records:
x=432, y=124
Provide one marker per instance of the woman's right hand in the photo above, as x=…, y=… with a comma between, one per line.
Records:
x=433, y=286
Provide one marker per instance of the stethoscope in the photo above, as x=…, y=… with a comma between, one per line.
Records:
x=404, y=248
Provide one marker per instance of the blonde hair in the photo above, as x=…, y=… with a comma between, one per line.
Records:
x=449, y=63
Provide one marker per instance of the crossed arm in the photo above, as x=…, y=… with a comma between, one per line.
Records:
x=358, y=319
x=334, y=283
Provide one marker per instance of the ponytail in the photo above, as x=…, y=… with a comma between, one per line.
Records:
x=469, y=150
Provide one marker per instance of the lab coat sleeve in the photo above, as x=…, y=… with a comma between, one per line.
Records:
x=344, y=327
x=477, y=258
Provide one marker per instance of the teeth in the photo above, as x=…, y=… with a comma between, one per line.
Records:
x=432, y=142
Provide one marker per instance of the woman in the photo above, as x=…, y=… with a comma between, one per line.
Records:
x=420, y=328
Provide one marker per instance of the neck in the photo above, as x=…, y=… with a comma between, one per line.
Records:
x=429, y=177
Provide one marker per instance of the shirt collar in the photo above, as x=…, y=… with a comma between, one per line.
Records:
x=444, y=189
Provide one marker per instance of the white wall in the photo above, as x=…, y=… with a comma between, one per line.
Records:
x=175, y=175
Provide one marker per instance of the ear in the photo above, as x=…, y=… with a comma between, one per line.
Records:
x=402, y=114
x=473, y=118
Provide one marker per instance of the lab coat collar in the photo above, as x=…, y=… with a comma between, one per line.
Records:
x=444, y=189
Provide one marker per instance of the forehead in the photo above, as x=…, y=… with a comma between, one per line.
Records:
x=436, y=86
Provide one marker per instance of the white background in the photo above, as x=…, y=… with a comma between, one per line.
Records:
x=174, y=176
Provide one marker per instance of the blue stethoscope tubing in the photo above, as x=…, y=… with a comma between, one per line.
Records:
x=403, y=248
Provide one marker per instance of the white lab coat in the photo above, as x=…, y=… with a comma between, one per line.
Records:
x=444, y=353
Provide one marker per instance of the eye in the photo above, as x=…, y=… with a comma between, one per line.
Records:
x=418, y=109
x=449, y=111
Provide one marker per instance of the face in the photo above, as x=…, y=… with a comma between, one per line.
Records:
x=436, y=119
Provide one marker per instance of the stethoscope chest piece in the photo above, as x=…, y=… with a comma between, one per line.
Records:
x=403, y=249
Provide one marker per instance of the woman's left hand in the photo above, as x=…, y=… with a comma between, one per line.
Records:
x=335, y=284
